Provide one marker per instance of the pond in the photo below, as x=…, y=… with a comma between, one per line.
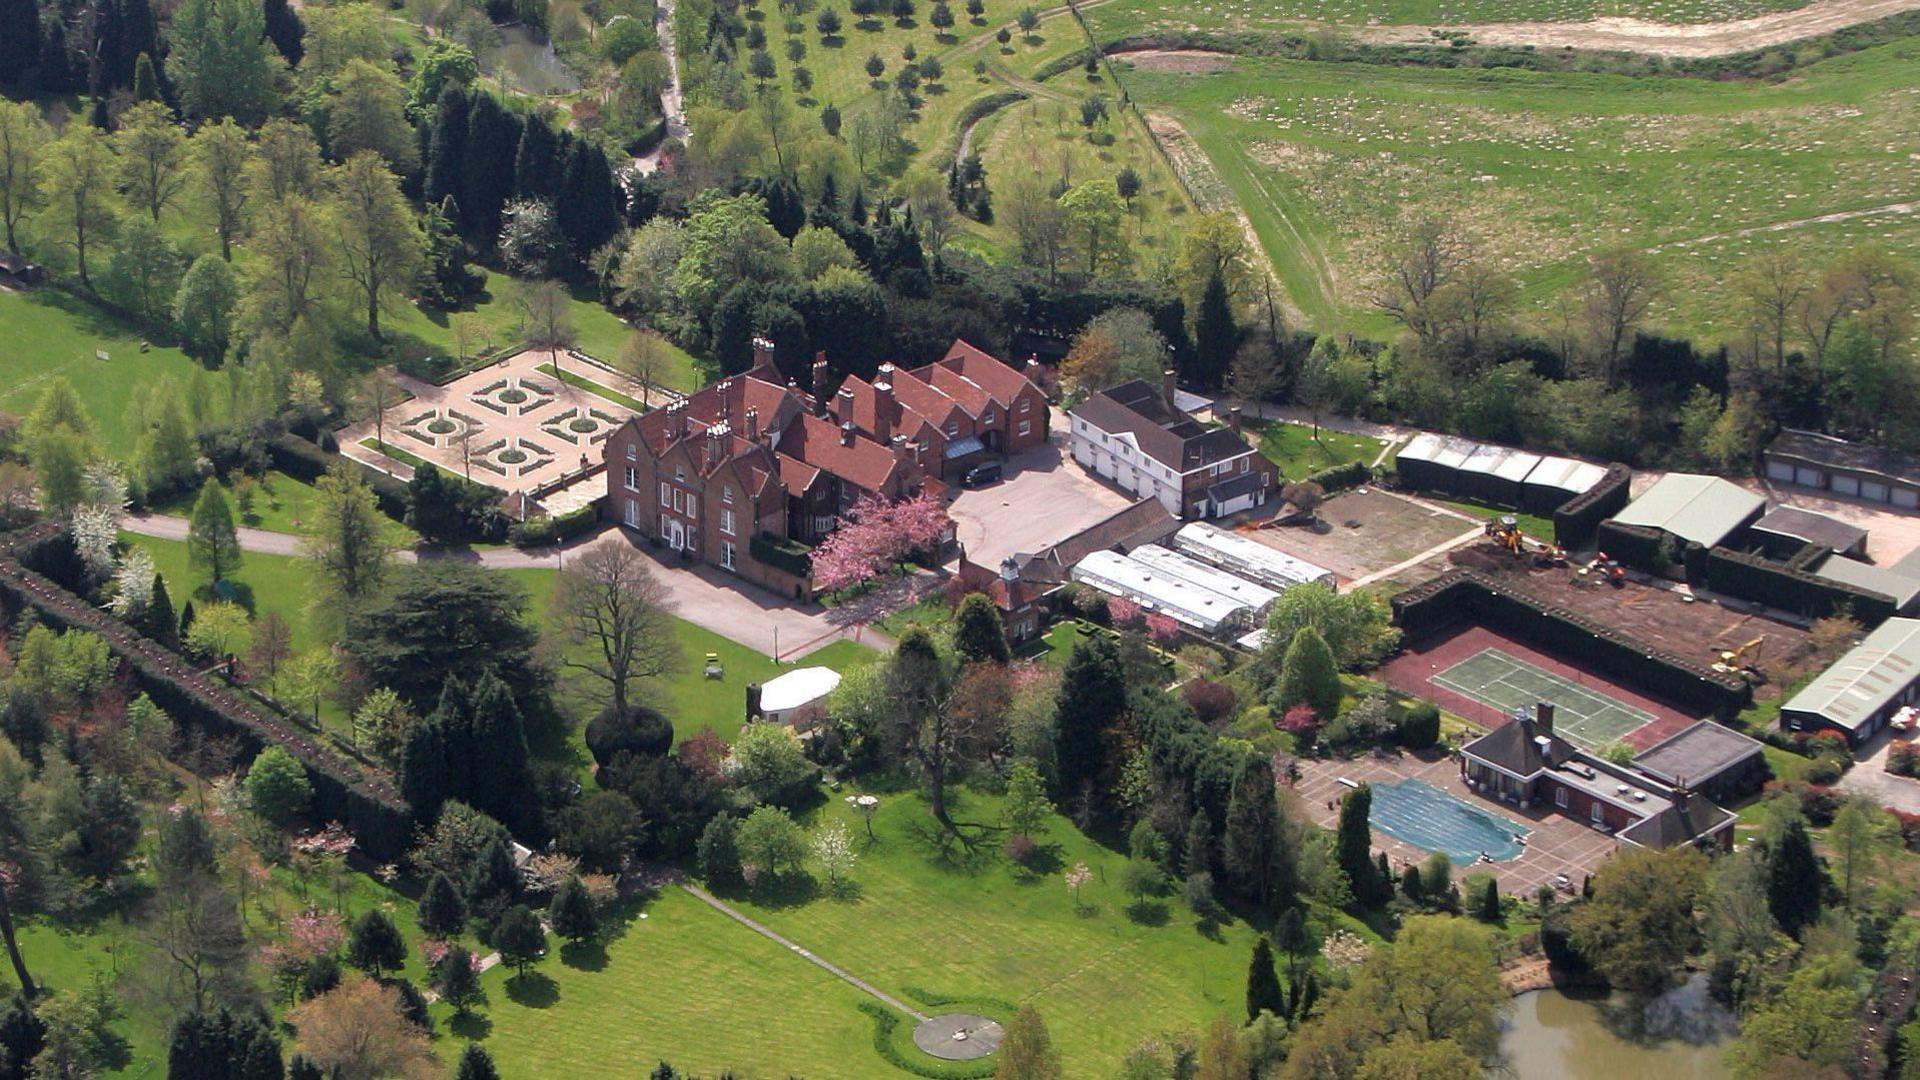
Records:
x=1682, y=1034
x=527, y=64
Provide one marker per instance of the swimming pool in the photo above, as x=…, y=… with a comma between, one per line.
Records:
x=1432, y=820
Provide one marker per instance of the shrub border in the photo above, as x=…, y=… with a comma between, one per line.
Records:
x=887, y=1028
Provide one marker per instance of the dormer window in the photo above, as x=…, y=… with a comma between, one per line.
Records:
x=726, y=494
x=680, y=474
x=633, y=452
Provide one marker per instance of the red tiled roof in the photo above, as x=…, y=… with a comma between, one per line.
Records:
x=1007, y=596
x=956, y=386
x=909, y=420
x=796, y=474
x=926, y=400
x=729, y=398
x=863, y=463
x=999, y=378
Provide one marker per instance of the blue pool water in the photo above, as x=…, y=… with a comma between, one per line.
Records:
x=1432, y=820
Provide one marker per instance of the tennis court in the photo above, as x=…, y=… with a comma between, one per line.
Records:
x=1432, y=820
x=1504, y=682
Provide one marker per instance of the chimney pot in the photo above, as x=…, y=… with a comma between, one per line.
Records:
x=1009, y=569
x=843, y=405
x=883, y=405
x=1166, y=380
x=846, y=433
x=753, y=425
x=762, y=352
x=1233, y=419
x=819, y=387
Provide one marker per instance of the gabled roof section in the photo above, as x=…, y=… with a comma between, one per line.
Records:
x=959, y=387
x=866, y=408
x=1871, y=674
x=861, y=462
x=1176, y=440
x=1003, y=380
x=1703, y=509
x=1516, y=748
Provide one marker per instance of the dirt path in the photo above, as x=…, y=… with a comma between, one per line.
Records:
x=1785, y=226
x=836, y=971
x=1660, y=39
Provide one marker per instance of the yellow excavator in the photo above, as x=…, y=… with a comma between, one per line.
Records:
x=1505, y=531
x=1745, y=659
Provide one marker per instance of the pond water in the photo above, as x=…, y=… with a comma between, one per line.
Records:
x=527, y=64
x=1682, y=1034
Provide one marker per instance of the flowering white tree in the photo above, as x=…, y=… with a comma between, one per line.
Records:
x=877, y=535
x=1077, y=877
x=833, y=848
x=96, y=519
x=1344, y=950
x=132, y=584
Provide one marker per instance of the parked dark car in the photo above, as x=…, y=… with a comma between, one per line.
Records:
x=981, y=475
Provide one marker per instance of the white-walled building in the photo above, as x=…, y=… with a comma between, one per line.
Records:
x=1132, y=435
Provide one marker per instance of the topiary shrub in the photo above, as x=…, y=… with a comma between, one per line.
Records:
x=1419, y=726
x=641, y=731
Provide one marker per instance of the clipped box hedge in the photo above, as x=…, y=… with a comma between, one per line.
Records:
x=1635, y=545
x=1576, y=520
x=1790, y=588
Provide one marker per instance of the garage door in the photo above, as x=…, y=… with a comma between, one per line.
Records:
x=1906, y=498
x=1846, y=485
x=1808, y=477
x=1780, y=470
x=1873, y=489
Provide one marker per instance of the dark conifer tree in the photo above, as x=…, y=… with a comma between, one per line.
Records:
x=22, y=1036
x=20, y=43
x=1215, y=335
x=476, y=1064
x=424, y=775
x=302, y=1069
x=492, y=881
x=443, y=914
x=159, y=622
x=588, y=207
x=1093, y=694
x=1490, y=902
x=490, y=762
x=376, y=946
x=537, y=161
x=493, y=135
x=286, y=30
x=447, y=149
x=1794, y=880
x=1259, y=863
x=58, y=75
x=186, y=619
x=101, y=45
x=1353, y=845
x=139, y=35
x=146, y=82
x=1263, y=983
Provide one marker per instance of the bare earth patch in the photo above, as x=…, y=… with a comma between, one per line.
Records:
x=1663, y=39
x=1178, y=61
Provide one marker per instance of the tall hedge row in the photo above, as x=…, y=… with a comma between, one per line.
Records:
x=1634, y=545
x=302, y=460
x=342, y=791
x=1576, y=520
x=1466, y=594
x=1789, y=588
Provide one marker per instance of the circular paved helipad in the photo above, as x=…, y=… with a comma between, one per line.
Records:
x=959, y=1036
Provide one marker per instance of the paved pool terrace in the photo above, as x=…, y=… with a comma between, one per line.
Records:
x=1555, y=844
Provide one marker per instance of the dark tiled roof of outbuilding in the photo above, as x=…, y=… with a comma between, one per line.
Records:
x=1139, y=408
x=1697, y=754
x=1826, y=450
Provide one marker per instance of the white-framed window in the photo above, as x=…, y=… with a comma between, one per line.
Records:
x=726, y=494
x=1026, y=405
x=1026, y=427
x=1244, y=463
x=663, y=525
x=693, y=506
x=633, y=452
x=666, y=493
x=633, y=513
x=953, y=430
x=633, y=478
x=693, y=539
x=726, y=554
x=679, y=500
x=680, y=474
x=987, y=417
x=726, y=522
x=1595, y=812
x=1560, y=797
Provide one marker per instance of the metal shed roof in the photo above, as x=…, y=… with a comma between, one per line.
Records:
x=1518, y=465
x=1178, y=598
x=1903, y=589
x=1486, y=460
x=1188, y=568
x=1567, y=474
x=1245, y=555
x=1805, y=525
x=1446, y=450
x=1871, y=675
x=1703, y=509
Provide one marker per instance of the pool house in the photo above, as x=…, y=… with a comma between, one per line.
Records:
x=1525, y=764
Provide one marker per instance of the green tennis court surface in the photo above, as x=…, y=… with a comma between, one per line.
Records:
x=1506, y=682
x=1432, y=820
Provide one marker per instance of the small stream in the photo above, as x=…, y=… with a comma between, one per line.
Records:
x=1682, y=1034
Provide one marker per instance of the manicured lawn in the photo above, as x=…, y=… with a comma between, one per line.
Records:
x=47, y=333
x=281, y=503
x=1139, y=15
x=1062, y=639
x=599, y=332
x=264, y=583
x=686, y=985
x=931, y=613
x=1299, y=455
x=692, y=987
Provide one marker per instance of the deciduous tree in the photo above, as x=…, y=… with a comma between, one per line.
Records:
x=616, y=618
x=23, y=145
x=77, y=182
x=358, y=1031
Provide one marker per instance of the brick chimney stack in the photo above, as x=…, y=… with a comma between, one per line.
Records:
x=820, y=382
x=846, y=433
x=883, y=404
x=753, y=425
x=762, y=352
x=1543, y=717
x=1166, y=386
x=843, y=406
x=1233, y=419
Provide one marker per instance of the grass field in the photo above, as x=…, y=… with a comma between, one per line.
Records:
x=49, y=333
x=1330, y=161
x=1531, y=524
x=281, y=503
x=1299, y=455
x=1238, y=15
x=693, y=987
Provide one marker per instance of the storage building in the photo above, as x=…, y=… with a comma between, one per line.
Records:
x=1248, y=557
x=1887, y=581
x=1183, y=601
x=1431, y=462
x=1187, y=568
x=1493, y=474
x=1864, y=688
x=1500, y=475
x=1875, y=474
x=1692, y=508
x=1556, y=481
x=1786, y=529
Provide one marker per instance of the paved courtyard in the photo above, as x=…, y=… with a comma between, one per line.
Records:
x=1043, y=499
x=1555, y=844
x=509, y=425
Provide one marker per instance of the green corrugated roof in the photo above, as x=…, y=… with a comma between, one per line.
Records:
x=1873, y=673
x=1703, y=509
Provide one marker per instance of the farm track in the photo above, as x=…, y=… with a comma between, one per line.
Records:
x=1695, y=41
x=1893, y=209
